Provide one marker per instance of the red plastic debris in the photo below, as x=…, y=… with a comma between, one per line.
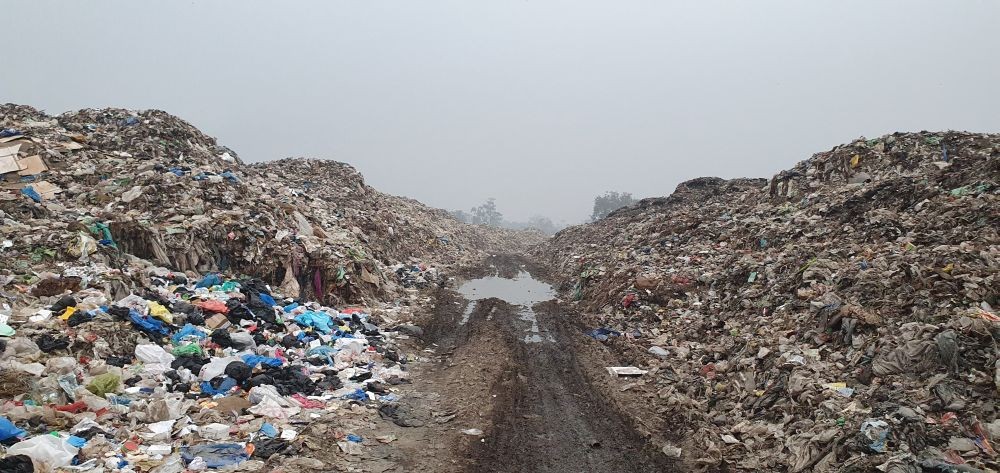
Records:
x=76, y=408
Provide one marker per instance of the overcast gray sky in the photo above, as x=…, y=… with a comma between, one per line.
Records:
x=541, y=104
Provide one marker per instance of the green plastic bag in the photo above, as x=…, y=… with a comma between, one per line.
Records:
x=104, y=383
x=190, y=349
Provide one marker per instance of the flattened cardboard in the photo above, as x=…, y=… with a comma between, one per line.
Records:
x=32, y=165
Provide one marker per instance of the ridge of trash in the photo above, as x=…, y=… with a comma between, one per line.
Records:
x=165, y=307
x=840, y=316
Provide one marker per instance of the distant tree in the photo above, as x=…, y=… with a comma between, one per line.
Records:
x=609, y=202
x=487, y=214
x=461, y=216
x=542, y=224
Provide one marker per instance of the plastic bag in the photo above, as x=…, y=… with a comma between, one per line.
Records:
x=133, y=301
x=150, y=353
x=243, y=340
x=267, y=299
x=60, y=365
x=9, y=430
x=258, y=394
x=223, y=387
x=23, y=348
x=317, y=320
x=216, y=367
x=875, y=431
x=16, y=464
x=188, y=331
x=254, y=360
x=165, y=409
x=190, y=349
x=104, y=384
x=211, y=279
x=271, y=408
x=147, y=324
x=214, y=306
x=47, y=452
x=216, y=455
x=239, y=370
x=157, y=310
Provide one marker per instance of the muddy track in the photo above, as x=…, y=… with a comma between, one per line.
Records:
x=536, y=401
x=549, y=418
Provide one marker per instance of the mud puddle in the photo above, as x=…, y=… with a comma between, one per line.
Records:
x=522, y=291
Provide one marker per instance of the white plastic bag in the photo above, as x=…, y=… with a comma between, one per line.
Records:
x=153, y=354
x=47, y=452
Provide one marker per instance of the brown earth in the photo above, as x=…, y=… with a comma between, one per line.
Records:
x=542, y=407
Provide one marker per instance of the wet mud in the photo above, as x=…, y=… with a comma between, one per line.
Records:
x=524, y=383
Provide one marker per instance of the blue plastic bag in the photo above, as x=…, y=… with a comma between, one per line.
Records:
x=322, y=350
x=148, y=324
x=229, y=176
x=317, y=320
x=32, y=193
x=357, y=395
x=9, y=430
x=210, y=279
x=253, y=360
x=187, y=331
x=269, y=430
x=325, y=351
x=216, y=455
x=227, y=384
x=267, y=299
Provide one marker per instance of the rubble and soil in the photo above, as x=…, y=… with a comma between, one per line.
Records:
x=840, y=316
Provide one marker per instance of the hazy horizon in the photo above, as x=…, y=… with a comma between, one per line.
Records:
x=542, y=105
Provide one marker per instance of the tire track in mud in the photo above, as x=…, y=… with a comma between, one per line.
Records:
x=534, y=400
x=549, y=418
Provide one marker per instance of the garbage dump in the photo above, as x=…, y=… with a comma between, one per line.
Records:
x=189, y=371
x=841, y=316
x=149, y=185
x=165, y=307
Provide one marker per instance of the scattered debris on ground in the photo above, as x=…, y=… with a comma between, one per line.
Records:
x=840, y=317
x=165, y=307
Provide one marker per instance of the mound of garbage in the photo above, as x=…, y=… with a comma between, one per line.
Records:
x=165, y=307
x=840, y=316
x=150, y=185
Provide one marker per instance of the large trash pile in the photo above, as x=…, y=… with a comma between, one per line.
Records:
x=840, y=317
x=149, y=184
x=164, y=306
x=203, y=374
x=393, y=228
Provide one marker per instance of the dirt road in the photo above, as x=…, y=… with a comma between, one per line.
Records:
x=548, y=417
x=516, y=374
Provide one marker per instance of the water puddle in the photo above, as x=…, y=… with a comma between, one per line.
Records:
x=523, y=291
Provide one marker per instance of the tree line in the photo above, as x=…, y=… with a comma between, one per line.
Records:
x=487, y=214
